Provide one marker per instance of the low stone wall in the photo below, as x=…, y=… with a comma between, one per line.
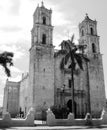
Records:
x=70, y=121
x=7, y=121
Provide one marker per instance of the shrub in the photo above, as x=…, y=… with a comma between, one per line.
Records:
x=60, y=112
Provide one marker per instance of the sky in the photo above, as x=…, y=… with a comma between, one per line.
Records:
x=16, y=21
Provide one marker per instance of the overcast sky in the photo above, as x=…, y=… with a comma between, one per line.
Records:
x=16, y=23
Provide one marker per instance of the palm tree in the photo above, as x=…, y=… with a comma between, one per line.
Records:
x=6, y=61
x=71, y=54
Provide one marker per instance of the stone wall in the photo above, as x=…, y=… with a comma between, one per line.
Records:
x=61, y=79
x=70, y=121
x=44, y=81
x=24, y=99
x=11, y=98
x=97, y=87
x=7, y=121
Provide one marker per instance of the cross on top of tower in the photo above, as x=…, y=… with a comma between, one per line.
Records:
x=86, y=17
x=42, y=4
x=86, y=14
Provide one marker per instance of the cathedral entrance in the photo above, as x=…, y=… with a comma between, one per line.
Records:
x=69, y=105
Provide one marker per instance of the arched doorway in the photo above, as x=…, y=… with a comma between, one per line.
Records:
x=69, y=105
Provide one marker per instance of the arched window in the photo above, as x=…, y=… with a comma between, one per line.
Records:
x=82, y=33
x=91, y=31
x=44, y=39
x=93, y=48
x=44, y=20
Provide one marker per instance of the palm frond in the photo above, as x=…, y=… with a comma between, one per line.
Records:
x=7, y=71
x=85, y=58
x=5, y=60
x=72, y=38
x=62, y=63
x=81, y=48
x=78, y=58
x=65, y=45
x=74, y=50
x=72, y=65
x=59, y=52
x=7, y=54
x=67, y=56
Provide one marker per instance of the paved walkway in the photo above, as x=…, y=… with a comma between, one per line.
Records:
x=57, y=128
x=41, y=125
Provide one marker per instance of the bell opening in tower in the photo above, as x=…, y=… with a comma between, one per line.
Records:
x=44, y=20
x=92, y=31
x=93, y=48
x=44, y=39
x=82, y=32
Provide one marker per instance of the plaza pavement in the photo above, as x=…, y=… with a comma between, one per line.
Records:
x=41, y=125
x=56, y=128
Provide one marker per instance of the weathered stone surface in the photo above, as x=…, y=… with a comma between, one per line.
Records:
x=70, y=121
x=47, y=85
x=11, y=98
x=41, y=72
x=7, y=121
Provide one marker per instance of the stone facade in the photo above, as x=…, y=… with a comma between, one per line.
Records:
x=63, y=88
x=41, y=68
x=24, y=98
x=89, y=36
x=89, y=89
x=11, y=98
x=46, y=85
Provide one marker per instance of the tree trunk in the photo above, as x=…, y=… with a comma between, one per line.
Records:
x=72, y=89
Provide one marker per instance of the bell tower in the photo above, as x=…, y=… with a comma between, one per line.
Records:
x=88, y=36
x=41, y=68
x=42, y=28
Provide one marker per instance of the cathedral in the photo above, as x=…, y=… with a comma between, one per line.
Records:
x=46, y=85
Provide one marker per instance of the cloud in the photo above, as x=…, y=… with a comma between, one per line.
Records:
x=15, y=7
x=16, y=79
x=15, y=70
x=59, y=19
x=14, y=28
x=10, y=7
x=58, y=39
x=5, y=5
x=10, y=29
x=16, y=49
